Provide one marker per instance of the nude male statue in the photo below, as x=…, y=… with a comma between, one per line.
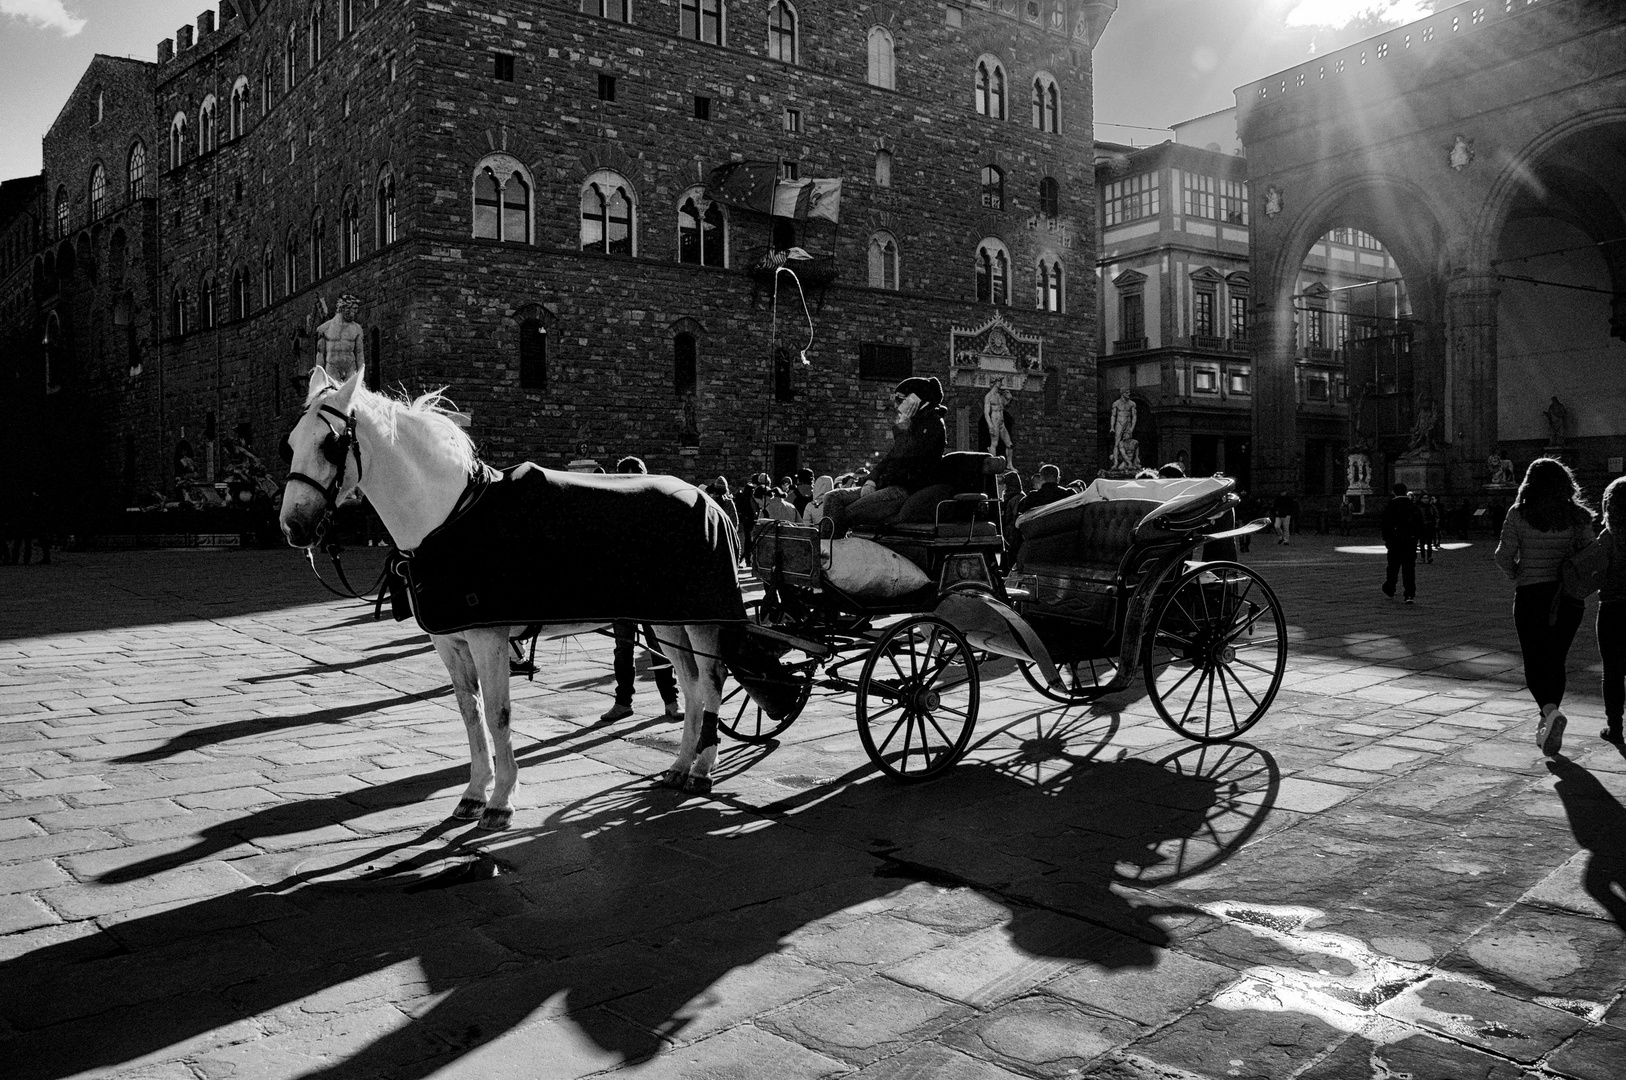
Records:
x=1124, y=415
x=340, y=343
x=993, y=411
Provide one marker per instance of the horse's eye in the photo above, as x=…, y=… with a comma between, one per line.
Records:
x=287, y=452
x=332, y=450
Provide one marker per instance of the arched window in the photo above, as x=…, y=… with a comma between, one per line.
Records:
x=206, y=302
x=62, y=210
x=206, y=125
x=990, y=88
x=685, y=363
x=268, y=85
x=315, y=37
x=98, y=192
x=268, y=266
x=883, y=168
x=883, y=261
x=290, y=57
x=617, y=10
x=53, y=353
x=1046, y=103
x=350, y=242
x=138, y=171
x=1048, y=284
x=882, y=67
x=385, y=205
x=177, y=140
x=177, y=311
x=608, y=215
x=533, y=354
x=702, y=20
x=239, y=108
x=290, y=263
x=993, y=187
x=318, y=245
x=993, y=273
x=502, y=200
x=702, y=231
x=1049, y=197
x=782, y=32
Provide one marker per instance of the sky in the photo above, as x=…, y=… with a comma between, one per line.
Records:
x=1160, y=61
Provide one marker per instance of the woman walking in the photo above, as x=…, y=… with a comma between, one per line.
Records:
x=1548, y=522
x=1612, y=609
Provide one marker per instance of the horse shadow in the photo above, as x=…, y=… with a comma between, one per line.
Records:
x=618, y=918
x=1598, y=821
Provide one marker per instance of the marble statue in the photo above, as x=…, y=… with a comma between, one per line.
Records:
x=340, y=343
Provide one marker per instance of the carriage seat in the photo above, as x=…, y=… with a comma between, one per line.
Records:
x=960, y=505
x=1090, y=542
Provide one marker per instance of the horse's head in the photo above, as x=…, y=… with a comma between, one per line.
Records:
x=324, y=462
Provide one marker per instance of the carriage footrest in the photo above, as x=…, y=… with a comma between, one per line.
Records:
x=766, y=679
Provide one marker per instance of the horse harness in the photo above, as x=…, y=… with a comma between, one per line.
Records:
x=336, y=448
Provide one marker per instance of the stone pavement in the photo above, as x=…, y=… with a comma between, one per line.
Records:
x=223, y=854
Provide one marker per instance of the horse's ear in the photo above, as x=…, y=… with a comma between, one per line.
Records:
x=347, y=390
x=319, y=381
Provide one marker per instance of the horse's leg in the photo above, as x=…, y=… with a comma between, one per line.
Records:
x=454, y=653
x=706, y=695
x=489, y=647
x=675, y=647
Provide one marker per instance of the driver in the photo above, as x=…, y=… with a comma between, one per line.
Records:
x=918, y=439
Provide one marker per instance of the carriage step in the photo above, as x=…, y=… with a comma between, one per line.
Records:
x=812, y=648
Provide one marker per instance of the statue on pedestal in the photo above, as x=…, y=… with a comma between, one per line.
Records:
x=1558, y=418
x=340, y=342
x=1126, y=455
x=994, y=403
x=1358, y=470
x=1501, y=469
x=1125, y=447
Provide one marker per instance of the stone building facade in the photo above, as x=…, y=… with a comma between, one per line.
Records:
x=515, y=192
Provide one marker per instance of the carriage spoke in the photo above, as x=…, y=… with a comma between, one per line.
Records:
x=1181, y=679
x=1195, y=690
x=1230, y=706
x=929, y=718
x=1251, y=664
x=1243, y=687
x=893, y=733
x=1258, y=613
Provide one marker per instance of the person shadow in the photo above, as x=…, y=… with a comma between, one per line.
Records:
x=1598, y=822
x=619, y=918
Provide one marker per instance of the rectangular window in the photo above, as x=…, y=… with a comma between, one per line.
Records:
x=1233, y=202
x=533, y=355
x=702, y=20
x=789, y=170
x=793, y=120
x=606, y=87
x=1240, y=377
x=1239, y=317
x=1132, y=199
x=889, y=362
x=1315, y=328
x=1199, y=192
x=617, y=10
x=1132, y=310
x=702, y=108
x=1205, y=380
x=1315, y=386
x=1202, y=315
x=505, y=67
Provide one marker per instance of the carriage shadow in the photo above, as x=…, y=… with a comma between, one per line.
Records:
x=621, y=917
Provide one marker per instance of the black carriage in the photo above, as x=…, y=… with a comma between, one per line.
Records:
x=1127, y=576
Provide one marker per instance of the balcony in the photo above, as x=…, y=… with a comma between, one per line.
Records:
x=1207, y=341
x=1129, y=345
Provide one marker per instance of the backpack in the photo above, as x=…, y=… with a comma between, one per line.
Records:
x=1583, y=572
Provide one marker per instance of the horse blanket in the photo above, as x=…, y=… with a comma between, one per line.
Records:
x=536, y=546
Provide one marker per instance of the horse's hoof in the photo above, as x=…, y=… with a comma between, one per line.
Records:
x=673, y=779
x=495, y=820
x=698, y=785
x=469, y=809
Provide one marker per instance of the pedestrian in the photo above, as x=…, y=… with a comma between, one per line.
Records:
x=1346, y=517
x=1548, y=521
x=1611, y=625
x=32, y=527
x=1285, y=510
x=1247, y=511
x=777, y=507
x=1011, y=494
x=1401, y=523
x=1429, y=509
x=802, y=493
x=1048, y=491
x=626, y=640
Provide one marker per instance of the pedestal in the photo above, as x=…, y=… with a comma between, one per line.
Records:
x=1421, y=474
x=1562, y=453
x=1358, y=493
x=583, y=465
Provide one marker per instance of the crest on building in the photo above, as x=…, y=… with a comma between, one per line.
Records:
x=1273, y=201
x=996, y=350
x=1462, y=152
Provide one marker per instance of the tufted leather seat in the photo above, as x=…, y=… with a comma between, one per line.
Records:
x=1094, y=536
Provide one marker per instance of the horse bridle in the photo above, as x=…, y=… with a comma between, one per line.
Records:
x=336, y=448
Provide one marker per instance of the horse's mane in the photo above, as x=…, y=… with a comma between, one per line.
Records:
x=434, y=408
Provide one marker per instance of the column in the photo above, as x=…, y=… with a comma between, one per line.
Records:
x=1278, y=455
x=1470, y=375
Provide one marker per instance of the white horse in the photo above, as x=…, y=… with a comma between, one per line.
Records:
x=413, y=462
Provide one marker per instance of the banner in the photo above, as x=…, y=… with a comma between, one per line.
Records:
x=755, y=186
x=803, y=199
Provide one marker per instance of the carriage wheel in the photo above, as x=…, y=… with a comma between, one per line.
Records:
x=1215, y=652
x=1082, y=680
x=742, y=718
x=918, y=693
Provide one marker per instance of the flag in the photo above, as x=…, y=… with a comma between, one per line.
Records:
x=803, y=199
x=745, y=185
